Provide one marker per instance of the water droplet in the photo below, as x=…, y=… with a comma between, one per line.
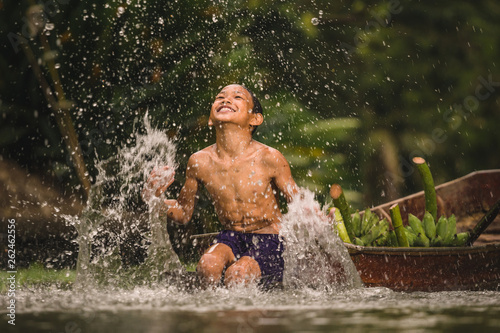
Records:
x=315, y=21
x=49, y=26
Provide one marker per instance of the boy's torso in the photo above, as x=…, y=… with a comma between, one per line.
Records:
x=242, y=189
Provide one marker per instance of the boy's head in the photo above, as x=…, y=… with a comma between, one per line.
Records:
x=233, y=99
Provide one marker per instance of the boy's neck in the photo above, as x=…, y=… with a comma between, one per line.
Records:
x=232, y=142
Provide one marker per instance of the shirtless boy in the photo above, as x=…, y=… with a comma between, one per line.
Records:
x=243, y=178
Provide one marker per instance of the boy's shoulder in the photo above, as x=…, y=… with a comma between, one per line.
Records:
x=202, y=155
x=198, y=162
x=266, y=149
x=269, y=155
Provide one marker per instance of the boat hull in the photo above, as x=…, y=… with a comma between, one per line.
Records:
x=428, y=269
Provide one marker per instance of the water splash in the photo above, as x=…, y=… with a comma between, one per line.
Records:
x=315, y=256
x=113, y=221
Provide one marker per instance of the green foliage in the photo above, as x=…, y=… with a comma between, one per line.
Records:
x=37, y=275
x=351, y=90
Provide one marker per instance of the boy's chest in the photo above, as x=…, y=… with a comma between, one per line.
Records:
x=243, y=180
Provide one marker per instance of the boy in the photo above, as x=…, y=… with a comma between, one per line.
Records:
x=242, y=177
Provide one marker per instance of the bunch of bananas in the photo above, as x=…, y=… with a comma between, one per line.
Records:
x=427, y=233
x=369, y=230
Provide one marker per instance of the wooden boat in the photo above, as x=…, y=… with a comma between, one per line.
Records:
x=429, y=269
x=441, y=268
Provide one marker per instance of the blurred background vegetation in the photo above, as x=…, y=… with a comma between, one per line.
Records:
x=351, y=90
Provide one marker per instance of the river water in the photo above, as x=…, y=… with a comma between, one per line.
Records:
x=169, y=309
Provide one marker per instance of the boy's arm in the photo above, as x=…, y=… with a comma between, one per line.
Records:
x=282, y=175
x=181, y=210
x=285, y=183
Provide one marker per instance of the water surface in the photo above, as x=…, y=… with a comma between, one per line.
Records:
x=169, y=309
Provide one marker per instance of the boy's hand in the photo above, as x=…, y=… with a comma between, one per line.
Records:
x=158, y=182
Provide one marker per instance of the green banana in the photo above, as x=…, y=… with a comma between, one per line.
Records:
x=392, y=239
x=429, y=225
x=341, y=229
x=409, y=229
x=415, y=224
x=451, y=230
x=410, y=235
x=337, y=214
x=342, y=232
x=383, y=239
x=358, y=242
x=356, y=224
x=384, y=233
x=422, y=240
x=441, y=227
x=437, y=241
x=365, y=222
x=374, y=232
x=385, y=223
x=418, y=228
x=374, y=219
x=460, y=239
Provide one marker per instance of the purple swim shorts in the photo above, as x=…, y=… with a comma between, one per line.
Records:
x=266, y=249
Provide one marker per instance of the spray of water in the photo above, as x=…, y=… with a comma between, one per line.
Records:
x=112, y=222
x=315, y=256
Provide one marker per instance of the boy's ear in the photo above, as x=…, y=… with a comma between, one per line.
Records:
x=210, y=122
x=257, y=119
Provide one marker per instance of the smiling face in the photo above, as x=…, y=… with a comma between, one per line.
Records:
x=233, y=104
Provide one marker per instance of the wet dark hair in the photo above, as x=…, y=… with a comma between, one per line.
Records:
x=257, y=108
